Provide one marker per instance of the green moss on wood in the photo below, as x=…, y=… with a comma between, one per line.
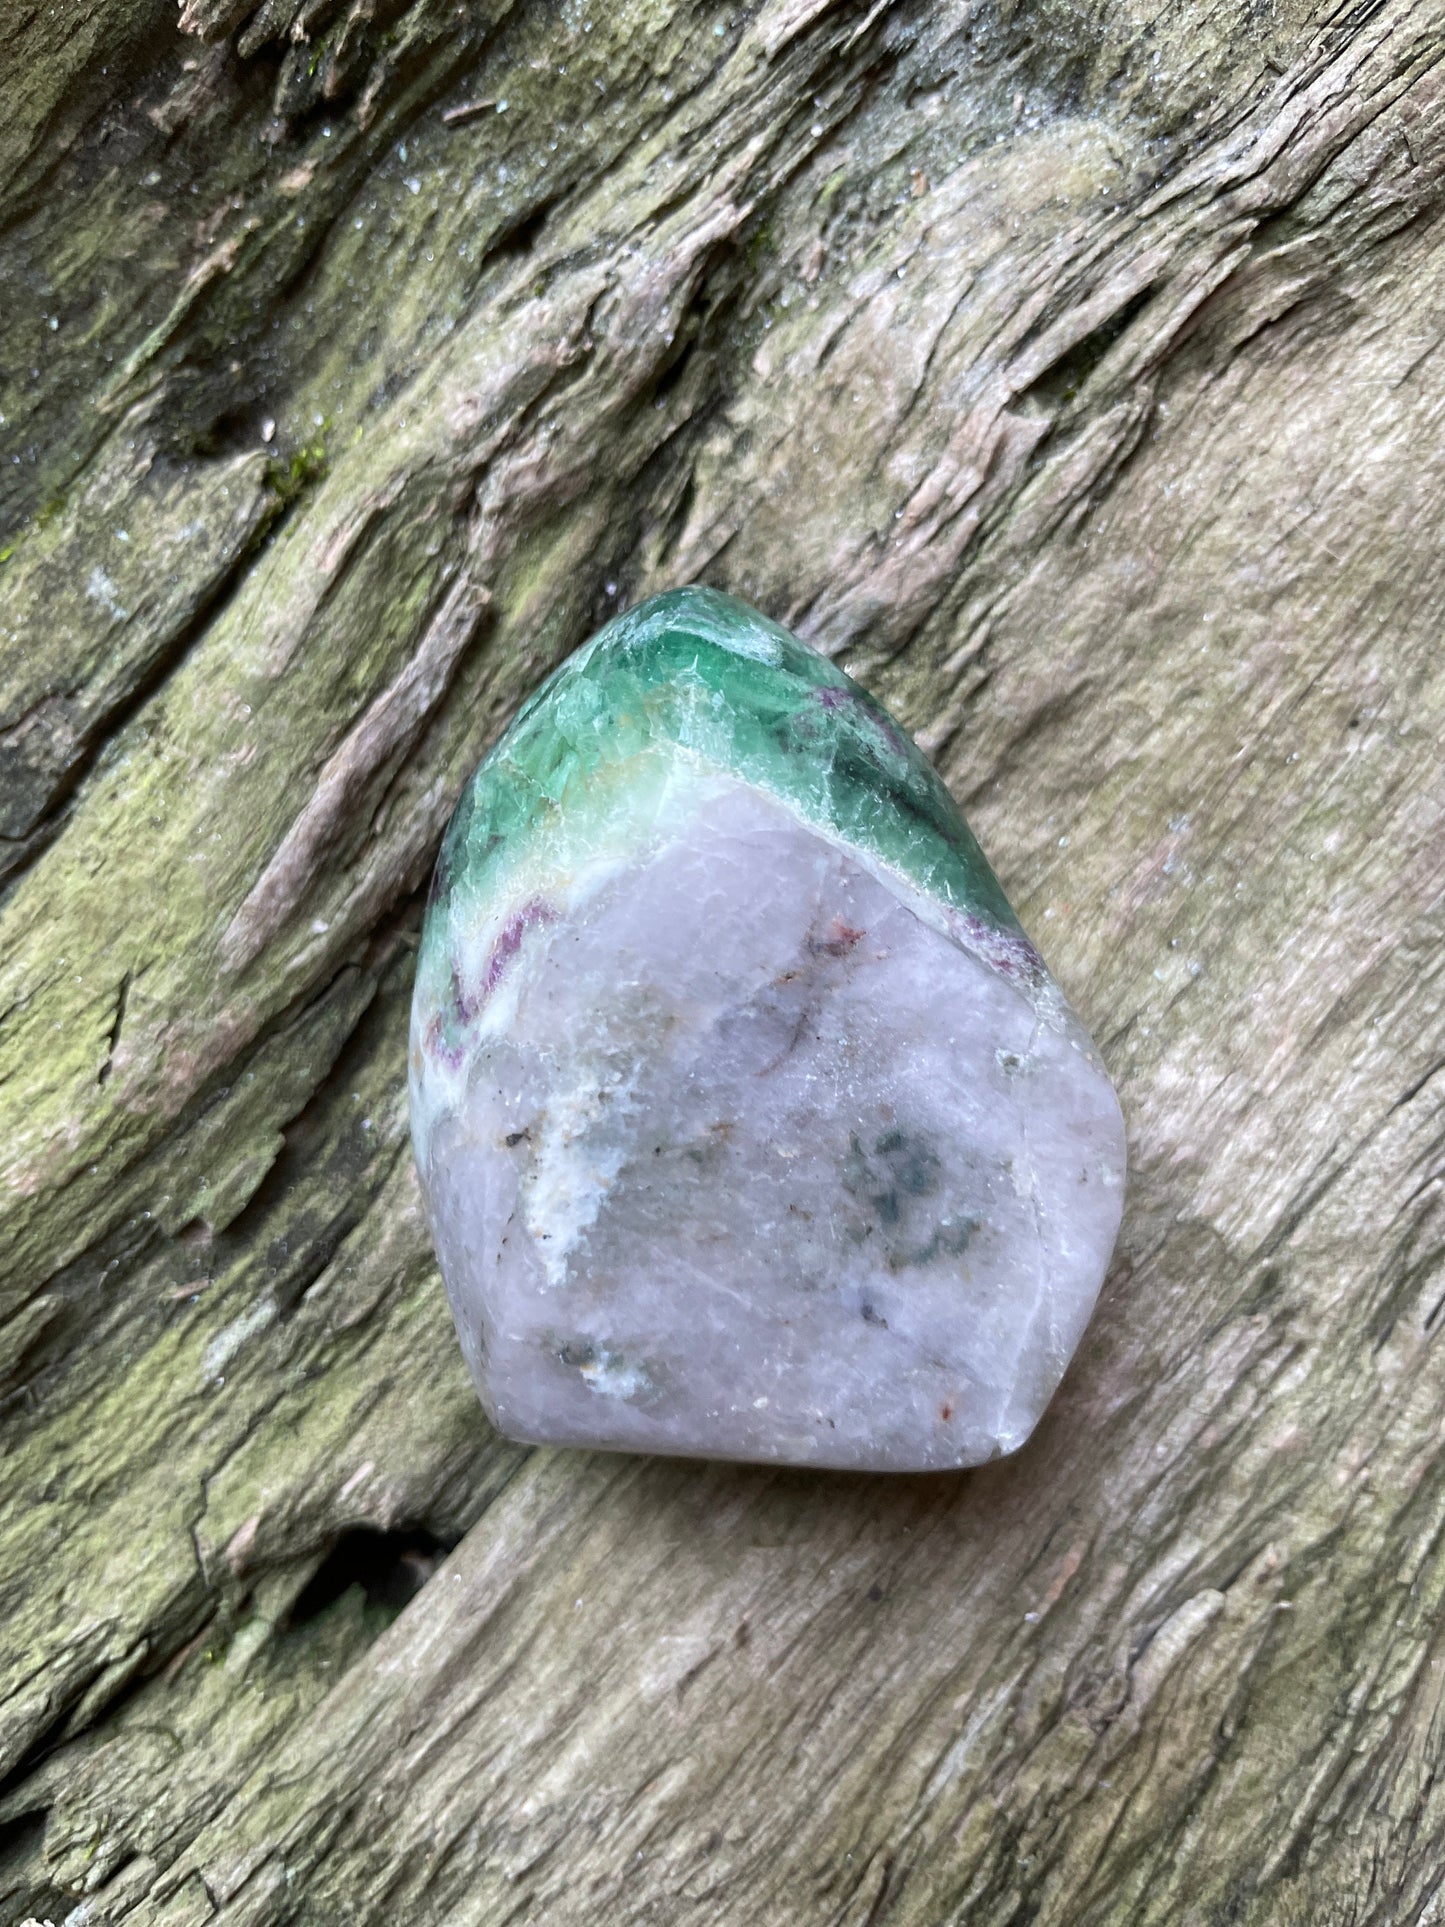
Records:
x=1175, y=630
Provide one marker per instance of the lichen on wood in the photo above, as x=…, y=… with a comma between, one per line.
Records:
x=1072, y=375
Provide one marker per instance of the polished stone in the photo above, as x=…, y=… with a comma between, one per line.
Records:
x=749, y=1121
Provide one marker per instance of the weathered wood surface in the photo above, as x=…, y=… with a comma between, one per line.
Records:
x=1076, y=375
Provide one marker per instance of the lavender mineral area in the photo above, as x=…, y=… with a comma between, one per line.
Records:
x=735, y=1140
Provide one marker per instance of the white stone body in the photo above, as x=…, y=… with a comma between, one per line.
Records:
x=751, y=1158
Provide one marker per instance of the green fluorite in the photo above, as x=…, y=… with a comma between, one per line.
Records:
x=750, y=1121
x=699, y=675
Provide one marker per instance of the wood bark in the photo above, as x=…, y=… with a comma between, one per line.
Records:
x=1074, y=374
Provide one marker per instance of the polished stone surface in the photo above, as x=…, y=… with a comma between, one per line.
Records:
x=749, y=1122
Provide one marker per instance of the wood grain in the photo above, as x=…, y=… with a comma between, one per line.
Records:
x=1073, y=374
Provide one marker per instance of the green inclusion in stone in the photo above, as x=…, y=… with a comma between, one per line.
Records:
x=724, y=688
